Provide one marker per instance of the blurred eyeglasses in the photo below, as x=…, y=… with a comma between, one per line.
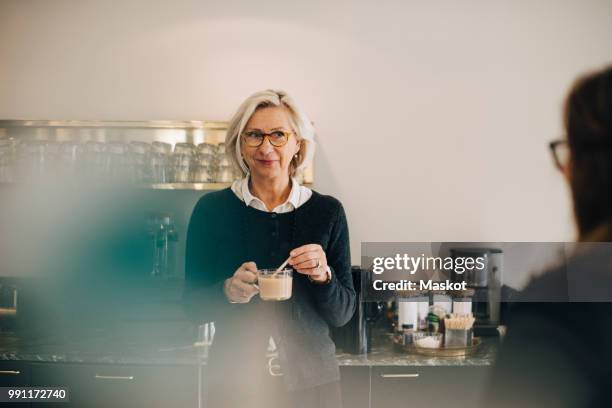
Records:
x=256, y=138
x=560, y=152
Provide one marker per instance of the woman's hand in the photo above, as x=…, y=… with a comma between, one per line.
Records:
x=310, y=260
x=240, y=288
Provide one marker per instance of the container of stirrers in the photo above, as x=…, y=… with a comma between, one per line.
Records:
x=458, y=337
x=458, y=331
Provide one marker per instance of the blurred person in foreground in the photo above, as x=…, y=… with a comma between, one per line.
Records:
x=558, y=351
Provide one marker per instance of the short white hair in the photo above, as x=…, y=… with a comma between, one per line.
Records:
x=302, y=127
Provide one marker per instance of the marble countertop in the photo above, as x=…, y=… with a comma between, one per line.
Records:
x=99, y=350
x=102, y=350
x=384, y=354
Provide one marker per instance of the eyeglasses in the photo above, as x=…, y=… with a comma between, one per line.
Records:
x=560, y=152
x=256, y=138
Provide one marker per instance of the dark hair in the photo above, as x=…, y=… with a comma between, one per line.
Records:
x=588, y=123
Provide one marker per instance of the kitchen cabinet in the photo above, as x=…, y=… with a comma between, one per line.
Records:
x=100, y=385
x=397, y=386
x=355, y=386
x=122, y=385
x=14, y=374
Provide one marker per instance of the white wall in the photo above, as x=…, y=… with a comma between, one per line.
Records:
x=433, y=117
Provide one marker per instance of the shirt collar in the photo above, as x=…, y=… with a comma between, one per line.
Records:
x=293, y=199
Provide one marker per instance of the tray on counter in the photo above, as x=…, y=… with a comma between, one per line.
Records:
x=436, y=352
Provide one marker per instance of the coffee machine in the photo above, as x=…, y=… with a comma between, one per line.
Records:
x=355, y=337
x=486, y=283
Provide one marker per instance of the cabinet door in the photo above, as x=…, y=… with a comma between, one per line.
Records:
x=121, y=385
x=14, y=374
x=430, y=386
x=355, y=386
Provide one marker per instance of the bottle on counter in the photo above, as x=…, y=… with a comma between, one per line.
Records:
x=422, y=301
x=407, y=334
x=462, y=301
x=407, y=312
x=442, y=300
x=433, y=323
x=412, y=309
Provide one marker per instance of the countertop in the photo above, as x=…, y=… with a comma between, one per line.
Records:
x=383, y=354
x=99, y=349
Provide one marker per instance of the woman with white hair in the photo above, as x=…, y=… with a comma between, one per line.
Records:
x=263, y=219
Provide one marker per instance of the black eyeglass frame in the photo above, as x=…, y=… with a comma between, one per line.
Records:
x=584, y=146
x=554, y=150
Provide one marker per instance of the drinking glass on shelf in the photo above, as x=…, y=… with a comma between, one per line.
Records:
x=220, y=149
x=70, y=158
x=223, y=161
x=159, y=162
x=225, y=172
x=204, y=164
x=138, y=158
x=162, y=147
x=182, y=161
x=94, y=160
x=116, y=164
x=207, y=148
x=202, y=170
x=31, y=159
x=51, y=166
x=6, y=160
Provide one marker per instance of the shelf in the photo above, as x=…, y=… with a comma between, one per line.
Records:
x=167, y=131
x=189, y=186
x=160, y=186
x=123, y=124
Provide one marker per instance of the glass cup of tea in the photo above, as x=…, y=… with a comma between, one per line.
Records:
x=275, y=285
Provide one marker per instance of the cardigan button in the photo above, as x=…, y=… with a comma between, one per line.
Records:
x=273, y=215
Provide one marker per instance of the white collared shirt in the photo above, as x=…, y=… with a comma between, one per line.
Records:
x=298, y=196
